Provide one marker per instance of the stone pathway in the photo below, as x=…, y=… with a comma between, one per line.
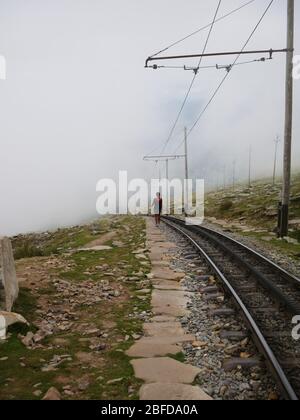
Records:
x=165, y=378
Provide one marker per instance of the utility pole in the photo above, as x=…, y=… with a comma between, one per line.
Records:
x=276, y=141
x=167, y=178
x=286, y=190
x=224, y=179
x=233, y=175
x=186, y=170
x=250, y=163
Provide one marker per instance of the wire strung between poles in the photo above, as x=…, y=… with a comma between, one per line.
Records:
x=203, y=28
x=227, y=74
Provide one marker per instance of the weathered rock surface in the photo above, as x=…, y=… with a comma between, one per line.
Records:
x=172, y=392
x=8, y=276
x=52, y=395
x=164, y=370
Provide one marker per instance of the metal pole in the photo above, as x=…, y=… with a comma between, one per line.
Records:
x=277, y=140
x=186, y=169
x=214, y=54
x=250, y=163
x=167, y=178
x=233, y=176
x=288, y=122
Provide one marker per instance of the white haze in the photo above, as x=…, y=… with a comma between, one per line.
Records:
x=78, y=104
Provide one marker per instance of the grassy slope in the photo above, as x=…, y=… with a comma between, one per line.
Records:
x=257, y=208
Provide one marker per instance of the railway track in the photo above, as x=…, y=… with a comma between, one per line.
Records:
x=267, y=296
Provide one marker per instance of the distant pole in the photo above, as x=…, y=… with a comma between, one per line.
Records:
x=159, y=173
x=276, y=141
x=250, y=163
x=233, y=175
x=167, y=178
x=224, y=180
x=186, y=169
x=286, y=190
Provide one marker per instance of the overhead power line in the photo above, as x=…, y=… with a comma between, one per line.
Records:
x=227, y=67
x=203, y=28
x=193, y=79
x=227, y=74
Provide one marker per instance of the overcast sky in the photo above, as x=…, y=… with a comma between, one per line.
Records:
x=78, y=104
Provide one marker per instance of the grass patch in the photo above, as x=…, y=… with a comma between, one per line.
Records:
x=113, y=317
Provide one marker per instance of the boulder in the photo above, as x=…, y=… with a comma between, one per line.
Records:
x=52, y=395
x=8, y=276
x=7, y=319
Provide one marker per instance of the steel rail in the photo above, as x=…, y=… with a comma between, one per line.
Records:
x=278, y=294
x=257, y=335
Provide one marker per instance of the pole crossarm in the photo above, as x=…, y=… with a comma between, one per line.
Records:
x=163, y=157
x=216, y=54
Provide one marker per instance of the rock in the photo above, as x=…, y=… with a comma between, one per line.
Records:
x=39, y=336
x=83, y=385
x=244, y=387
x=273, y=396
x=199, y=344
x=52, y=395
x=136, y=336
x=255, y=385
x=245, y=355
x=37, y=393
x=98, y=347
x=115, y=381
x=232, y=349
x=68, y=392
x=172, y=392
x=94, y=331
x=165, y=370
x=7, y=319
x=291, y=240
x=95, y=248
x=223, y=390
x=118, y=244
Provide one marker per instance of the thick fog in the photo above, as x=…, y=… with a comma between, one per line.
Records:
x=78, y=105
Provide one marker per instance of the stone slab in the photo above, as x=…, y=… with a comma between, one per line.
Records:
x=170, y=297
x=172, y=392
x=165, y=310
x=159, y=345
x=95, y=248
x=165, y=273
x=153, y=349
x=164, y=318
x=156, y=256
x=162, y=263
x=163, y=329
x=161, y=284
x=164, y=370
x=166, y=245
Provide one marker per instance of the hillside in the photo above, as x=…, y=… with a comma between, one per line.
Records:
x=253, y=212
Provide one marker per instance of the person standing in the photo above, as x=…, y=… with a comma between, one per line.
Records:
x=157, y=205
